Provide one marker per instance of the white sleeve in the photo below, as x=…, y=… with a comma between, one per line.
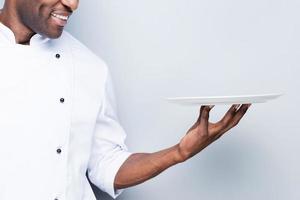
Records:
x=109, y=150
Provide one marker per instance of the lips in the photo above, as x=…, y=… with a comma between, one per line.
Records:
x=60, y=18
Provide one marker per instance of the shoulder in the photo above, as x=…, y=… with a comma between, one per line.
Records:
x=88, y=67
x=80, y=53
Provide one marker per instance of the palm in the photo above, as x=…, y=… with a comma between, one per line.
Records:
x=203, y=133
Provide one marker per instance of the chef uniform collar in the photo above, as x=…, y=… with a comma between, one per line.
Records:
x=9, y=36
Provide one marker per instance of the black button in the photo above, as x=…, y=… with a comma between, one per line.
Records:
x=57, y=56
x=62, y=100
x=58, y=151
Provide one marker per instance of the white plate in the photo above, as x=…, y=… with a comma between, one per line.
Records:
x=217, y=100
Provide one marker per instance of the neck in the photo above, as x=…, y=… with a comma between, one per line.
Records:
x=9, y=18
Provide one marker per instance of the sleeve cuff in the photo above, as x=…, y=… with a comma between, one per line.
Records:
x=112, y=172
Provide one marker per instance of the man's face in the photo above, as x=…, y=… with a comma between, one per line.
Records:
x=46, y=17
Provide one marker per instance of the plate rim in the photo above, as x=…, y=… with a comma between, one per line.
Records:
x=270, y=95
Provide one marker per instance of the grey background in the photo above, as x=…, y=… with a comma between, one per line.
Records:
x=157, y=49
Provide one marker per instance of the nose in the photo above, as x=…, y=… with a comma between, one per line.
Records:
x=72, y=4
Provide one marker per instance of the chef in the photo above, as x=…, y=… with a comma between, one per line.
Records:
x=58, y=118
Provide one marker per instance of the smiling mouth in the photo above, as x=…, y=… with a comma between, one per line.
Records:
x=62, y=17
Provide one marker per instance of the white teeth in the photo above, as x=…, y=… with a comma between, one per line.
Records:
x=60, y=16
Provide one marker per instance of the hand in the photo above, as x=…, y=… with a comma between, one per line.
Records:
x=203, y=133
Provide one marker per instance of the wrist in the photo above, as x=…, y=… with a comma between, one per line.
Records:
x=178, y=155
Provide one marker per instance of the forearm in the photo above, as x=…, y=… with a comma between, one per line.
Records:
x=141, y=167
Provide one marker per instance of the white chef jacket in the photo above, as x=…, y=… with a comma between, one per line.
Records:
x=57, y=121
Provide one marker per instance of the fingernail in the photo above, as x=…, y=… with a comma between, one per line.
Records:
x=249, y=105
x=236, y=106
x=210, y=107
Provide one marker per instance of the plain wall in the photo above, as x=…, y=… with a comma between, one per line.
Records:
x=157, y=49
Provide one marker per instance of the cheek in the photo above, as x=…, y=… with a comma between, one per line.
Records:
x=43, y=12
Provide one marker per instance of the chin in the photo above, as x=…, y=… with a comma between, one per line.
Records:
x=54, y=35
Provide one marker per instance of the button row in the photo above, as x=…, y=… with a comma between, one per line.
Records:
x=62, y=100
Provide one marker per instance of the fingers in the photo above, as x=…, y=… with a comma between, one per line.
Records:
x=235, y=119
x=204, y=115
x=239, y=115
x=225, y=121
x=230, y=114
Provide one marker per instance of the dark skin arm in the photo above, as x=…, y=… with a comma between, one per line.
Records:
x=140, y=167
